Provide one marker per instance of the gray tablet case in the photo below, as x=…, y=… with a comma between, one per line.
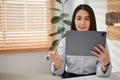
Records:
x=81, y=42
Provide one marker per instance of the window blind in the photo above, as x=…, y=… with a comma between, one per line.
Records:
x=25, y=25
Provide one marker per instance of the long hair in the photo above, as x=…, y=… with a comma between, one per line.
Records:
x=91, y=14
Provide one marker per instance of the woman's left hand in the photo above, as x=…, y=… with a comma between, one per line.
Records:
x=101, y=54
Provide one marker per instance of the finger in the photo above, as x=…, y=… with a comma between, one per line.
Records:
x=48, y=56
x=99, y=58
x=101, y=46
x=57, y=57
x=52, y=57
x=49, y=52
x=95, y=53
x=102, y=54
x=104, y=50
x=98, y=49
x=55, y=54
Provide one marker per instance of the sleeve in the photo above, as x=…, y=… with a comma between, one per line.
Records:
x=99, y=72
x=61, y=52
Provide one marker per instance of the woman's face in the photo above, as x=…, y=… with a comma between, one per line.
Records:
x=82, y=20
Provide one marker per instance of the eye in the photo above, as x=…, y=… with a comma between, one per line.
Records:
x=78, y=18
x=87, y=18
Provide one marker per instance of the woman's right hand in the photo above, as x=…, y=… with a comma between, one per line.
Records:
x=55, y=58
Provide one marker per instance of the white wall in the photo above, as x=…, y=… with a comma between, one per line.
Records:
x=100, y=8
x=114, y=49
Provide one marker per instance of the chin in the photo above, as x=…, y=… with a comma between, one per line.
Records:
x=82, y=30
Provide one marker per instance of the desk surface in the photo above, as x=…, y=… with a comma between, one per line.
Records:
x=113, y=76
x=7, y=76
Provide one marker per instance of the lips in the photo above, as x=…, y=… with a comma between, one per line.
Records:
x=82, y=28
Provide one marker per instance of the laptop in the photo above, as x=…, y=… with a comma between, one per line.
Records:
x=81, y=42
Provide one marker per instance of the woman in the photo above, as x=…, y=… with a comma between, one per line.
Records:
x=72, y=66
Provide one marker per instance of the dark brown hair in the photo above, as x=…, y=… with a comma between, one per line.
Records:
x=91, y=14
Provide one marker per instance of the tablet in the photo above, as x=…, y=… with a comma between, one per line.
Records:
x=81, y=42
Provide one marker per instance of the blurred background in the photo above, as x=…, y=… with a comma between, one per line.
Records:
x=24, y=33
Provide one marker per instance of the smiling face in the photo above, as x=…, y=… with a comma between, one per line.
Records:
x=82, y=20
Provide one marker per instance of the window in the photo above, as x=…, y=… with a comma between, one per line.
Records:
x=25, y=25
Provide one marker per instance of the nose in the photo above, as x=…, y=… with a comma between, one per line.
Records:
x=82, y=21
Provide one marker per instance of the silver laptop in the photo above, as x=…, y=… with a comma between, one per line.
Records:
x=81, y=42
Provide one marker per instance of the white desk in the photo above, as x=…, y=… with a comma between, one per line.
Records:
x=9, y=76
x=113, y=76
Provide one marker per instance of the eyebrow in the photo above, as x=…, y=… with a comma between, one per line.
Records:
x=85, y=16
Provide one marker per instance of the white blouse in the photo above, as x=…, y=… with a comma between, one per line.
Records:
x=79, y=64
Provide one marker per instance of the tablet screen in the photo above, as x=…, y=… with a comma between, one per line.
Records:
x=81, y=42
